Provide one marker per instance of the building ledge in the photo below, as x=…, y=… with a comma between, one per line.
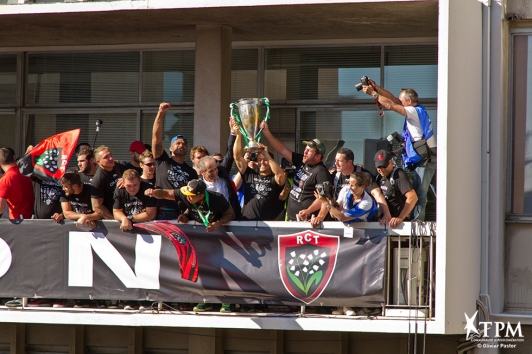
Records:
x=270, y=321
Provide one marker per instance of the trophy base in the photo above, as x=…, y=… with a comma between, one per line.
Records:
x=251, y=149
x=253, y=146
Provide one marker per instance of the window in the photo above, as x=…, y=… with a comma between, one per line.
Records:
x=521, y=180
x=74, y=78
x=244, y=73
x=168, y=76
x=319, y=73
x=8, y=123
x=8, y=79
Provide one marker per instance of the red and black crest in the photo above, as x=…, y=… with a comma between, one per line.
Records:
x=306, y=263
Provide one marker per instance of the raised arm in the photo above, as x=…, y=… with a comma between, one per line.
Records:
x=280, y=175
x=240, y=162
x=227, y=161
x=385, y=98
x=157, y=133
x=275, y=143
x=160, y=193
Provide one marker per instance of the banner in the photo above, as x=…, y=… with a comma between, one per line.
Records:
x=238, y=263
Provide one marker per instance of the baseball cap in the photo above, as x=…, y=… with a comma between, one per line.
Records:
x=178, y=137
x=194, y=187
x=382, y=158
x=316, y=144
x=137, y=146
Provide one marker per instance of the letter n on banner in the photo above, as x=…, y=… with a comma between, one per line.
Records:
x=147, y=260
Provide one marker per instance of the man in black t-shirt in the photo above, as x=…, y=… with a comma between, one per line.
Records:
x=262, y=189
x=310, y=171
x=76, y=200
x=104, y=182
x=344, y=163
x=209, y=208
x=87, y=165
x=131, y=204
x=47, y=204
x=396, y=187
x=171, y=172
x=147, y=164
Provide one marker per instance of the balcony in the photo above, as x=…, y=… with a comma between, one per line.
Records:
x=404, y=284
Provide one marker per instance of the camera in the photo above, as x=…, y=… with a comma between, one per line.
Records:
x=325, y=189
x=253, y=156
x=364, y=81
x=395, y=136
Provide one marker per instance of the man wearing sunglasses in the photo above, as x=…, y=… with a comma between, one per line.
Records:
x=302, y=204
x=147, y=164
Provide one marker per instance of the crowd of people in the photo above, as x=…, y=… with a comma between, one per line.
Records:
x=155, y=185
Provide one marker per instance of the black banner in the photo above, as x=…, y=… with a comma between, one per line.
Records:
x=238, y=263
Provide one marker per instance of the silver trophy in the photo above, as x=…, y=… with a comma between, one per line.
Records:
x=247, y=115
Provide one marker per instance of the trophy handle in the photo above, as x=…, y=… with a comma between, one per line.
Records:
x=235, y=114
x=266, y=102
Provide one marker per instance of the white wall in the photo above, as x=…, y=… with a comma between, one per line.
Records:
x=459, y=161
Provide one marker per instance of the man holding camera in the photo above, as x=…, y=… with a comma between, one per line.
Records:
x=262, y=188
x=310, y=172
x=396, y=187
x=345, y=167
x=418, y=137
x=354, y=204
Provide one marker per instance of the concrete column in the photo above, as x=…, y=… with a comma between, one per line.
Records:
x=212, y=94
x=459, y=161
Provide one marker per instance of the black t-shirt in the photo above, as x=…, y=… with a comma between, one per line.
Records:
x=127, y=166
x=46, y=198
x=305, y=180
x=133, y=204
x=170, y=174
x=150, y=181
x=395, y=191
x=80, y=203
x=217, y=206
x=103, y=186
x=343, y=180
x=85, y=178
x=261, y=194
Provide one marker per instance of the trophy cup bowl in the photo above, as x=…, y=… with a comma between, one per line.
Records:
x=247, y=115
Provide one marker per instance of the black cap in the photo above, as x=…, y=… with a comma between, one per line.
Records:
x=382, y=158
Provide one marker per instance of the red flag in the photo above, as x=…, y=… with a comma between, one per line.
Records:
x=49, y=159
x=186, y=253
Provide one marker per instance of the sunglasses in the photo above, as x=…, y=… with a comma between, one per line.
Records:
x=151, y=164
x=218, y=161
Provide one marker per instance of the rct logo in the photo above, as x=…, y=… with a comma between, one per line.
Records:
x=485, y=326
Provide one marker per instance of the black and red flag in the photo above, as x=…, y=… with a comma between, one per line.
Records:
x=49, y=159
x=186, y=253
